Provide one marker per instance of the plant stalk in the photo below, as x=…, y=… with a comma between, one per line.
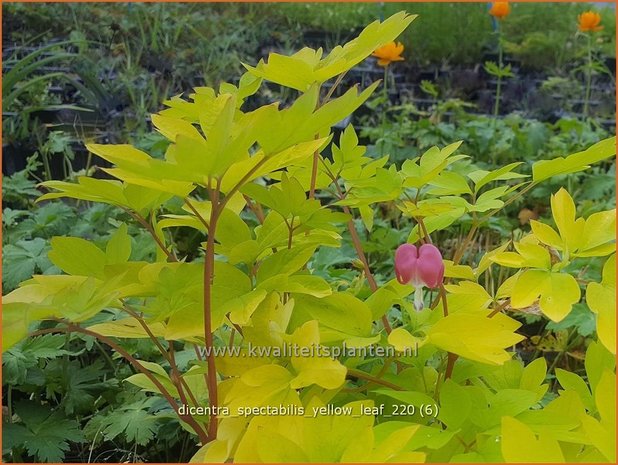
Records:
x=209, y=263
x=588, y=77
x=386, y=101
x=499, y=82
x=372, y=379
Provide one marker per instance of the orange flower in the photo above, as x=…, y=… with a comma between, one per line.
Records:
x=389, y=53
x=589, y=22
x=500, y=10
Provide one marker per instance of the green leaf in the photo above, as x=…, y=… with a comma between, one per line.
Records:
x=557, y=291
x=449, y=183
x=429, y=166
x=407, y=397
x=76, y=256
x=521, y=445
x=306, y=67
x=136, y=167
x=571, y=382
x=563, y=211
x=132, y=421
x=118, y=248
x=599, y=234
x=146, y=383
x=75, y=298
x=601, y=298
x=482, y=177
x=174, y=127
x=298, y=284
x=138, y=198
x=16, y=319
x=467, y=296
x=381, y=300
x=341, y=316
x=128, y=328
x=490, y=199
x=22, y=259
x=403, y=341
x=285, y=262
x=323, y=371
x=383, y=187
x=545, y=169
x=18, y=360
x=456, y=404
x=533, y=377
x=46, y=434
x=580, y=317
x=229, y=283
x=241, y=308
x=474, y=336
x=598, y=360
x=498, y=70
x=602, y=434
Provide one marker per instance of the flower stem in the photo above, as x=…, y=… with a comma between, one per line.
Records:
x=418, y=298
x=588, y=77
x=499, y=82
x=385, y=98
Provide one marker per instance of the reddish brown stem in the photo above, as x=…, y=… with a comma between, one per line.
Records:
x=372, y=379
x=177, y=379
x=209, y=263
x=182, y=385
x=361, y=255
x=314, y=174
x=290, y=232
x=141, y=220
x=442, y=294
x=464, y=245
x=358, y=247
x=255, y=208
x=450, y=358
x=196, y=213
x=240, y=183
x=179, y=382
x=450, y=364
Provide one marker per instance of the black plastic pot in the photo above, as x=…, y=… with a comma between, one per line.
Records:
x=14, y=158
x=610, y=62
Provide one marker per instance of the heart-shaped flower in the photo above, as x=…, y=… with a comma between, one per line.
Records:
x=422, y=267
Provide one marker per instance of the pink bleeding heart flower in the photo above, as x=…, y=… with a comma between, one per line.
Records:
x=420, y=268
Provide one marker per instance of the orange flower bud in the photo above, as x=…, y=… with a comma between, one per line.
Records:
x=500, y=10
x=589, y=22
